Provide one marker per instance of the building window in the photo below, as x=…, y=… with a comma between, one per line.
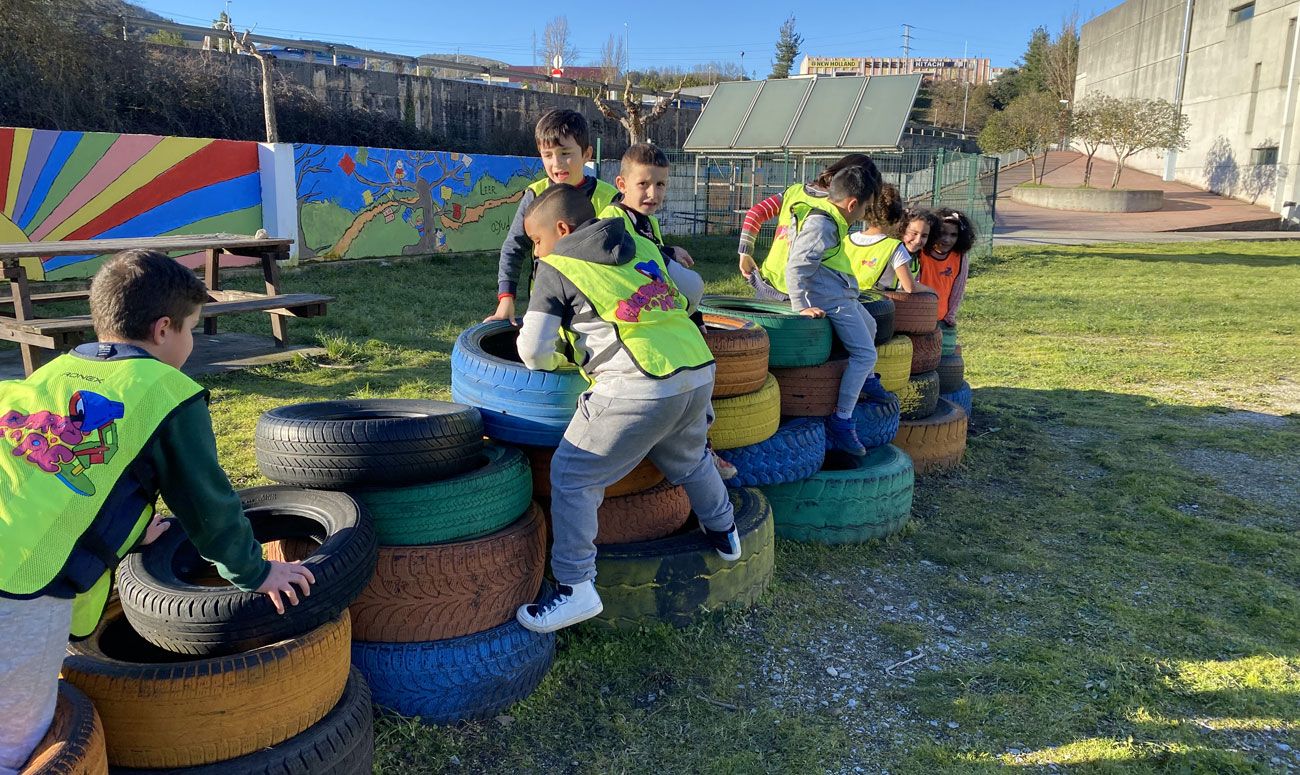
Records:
x=1263, y=156
x=1241, y=13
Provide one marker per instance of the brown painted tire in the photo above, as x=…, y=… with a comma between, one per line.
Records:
x=423, y=593
x=894, y=363
x=936, y=443
x=167, y=710
x=740, y=348
x=927, y=349
x=952, y=372
x=643, y=477
x=644, y=516
x=74, y=743
x=811, y=391
x=914, y=313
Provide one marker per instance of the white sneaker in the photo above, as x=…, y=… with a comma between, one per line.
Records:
x=560, y=607
x=725, y=542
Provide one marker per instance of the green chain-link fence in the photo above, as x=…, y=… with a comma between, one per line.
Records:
x=711, y=194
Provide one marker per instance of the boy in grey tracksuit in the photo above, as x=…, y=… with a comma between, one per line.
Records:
x=653, y=381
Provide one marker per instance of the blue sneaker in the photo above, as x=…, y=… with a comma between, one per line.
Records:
x=875, y=392
x=843, y=435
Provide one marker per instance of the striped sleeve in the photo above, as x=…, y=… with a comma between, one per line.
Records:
x=759, y=214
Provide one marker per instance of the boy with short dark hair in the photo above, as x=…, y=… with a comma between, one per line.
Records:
x=619, y=304
x=564, y=145
x=87, y=443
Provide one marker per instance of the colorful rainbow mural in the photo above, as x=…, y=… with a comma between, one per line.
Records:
x=85, y=185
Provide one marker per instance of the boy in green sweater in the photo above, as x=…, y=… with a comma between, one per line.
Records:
x=87, y=443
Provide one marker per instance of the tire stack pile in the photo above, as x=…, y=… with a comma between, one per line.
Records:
x=461, y=546
x=191, y=675
x=932, y=429
x=652, y=564
x=952, y=372
x=818, y=496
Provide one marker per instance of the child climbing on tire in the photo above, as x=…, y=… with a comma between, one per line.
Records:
x=87, y=443
x=616, y=301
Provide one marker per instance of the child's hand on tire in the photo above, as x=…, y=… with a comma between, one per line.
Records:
x=813, y=312
x=282, y=579
x=157, y=526
x=747, y=265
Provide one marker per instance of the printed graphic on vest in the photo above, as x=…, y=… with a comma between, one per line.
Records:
x=656, y=294
x=67, y=446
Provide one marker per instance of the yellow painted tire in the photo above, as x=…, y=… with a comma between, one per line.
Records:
x=74, y=743
x=747, y=419
x=935, y=443
x=894, y=363
x=167, y=710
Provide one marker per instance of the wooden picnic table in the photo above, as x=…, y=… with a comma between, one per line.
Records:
x=34, y=334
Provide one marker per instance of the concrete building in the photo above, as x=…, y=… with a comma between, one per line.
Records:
x=974, y=69
x=1239, y=91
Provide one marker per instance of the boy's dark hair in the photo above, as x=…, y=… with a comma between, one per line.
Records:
x=885, y=211
x=860, y=182
x=136, y=287
x=557, y=124
x=918, y=214
x=561, y=203
x=823, y=180
x=965, y=229
x=647, y=154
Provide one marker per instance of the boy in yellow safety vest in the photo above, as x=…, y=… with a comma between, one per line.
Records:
x=624, y=310
x=564, y=144
x=87, y=443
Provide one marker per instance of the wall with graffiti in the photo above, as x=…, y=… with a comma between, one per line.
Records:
x=84, y=185
x=361, y=202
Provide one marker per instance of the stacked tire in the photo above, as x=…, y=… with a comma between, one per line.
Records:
x=461, y=545
x=871, y=496
x=932, y=429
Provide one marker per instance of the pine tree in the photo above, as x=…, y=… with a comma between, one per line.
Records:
x=787, y=48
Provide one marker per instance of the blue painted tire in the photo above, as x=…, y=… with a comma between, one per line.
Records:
x=877, y=423
x=961, y=397
x=795, y=452
x=468, y=678
x=519, y=406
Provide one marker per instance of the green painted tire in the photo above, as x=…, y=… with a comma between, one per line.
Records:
x=949, y=338
x=473, y=504
x=794, y=340
x=677, y=578
x=851, y=500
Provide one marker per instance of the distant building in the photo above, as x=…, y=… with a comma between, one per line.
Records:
x=972, y=69
x=1240, y=89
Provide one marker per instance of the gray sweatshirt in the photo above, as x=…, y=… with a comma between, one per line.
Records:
x=556, y=303
x=812, y=283
x=517, y=250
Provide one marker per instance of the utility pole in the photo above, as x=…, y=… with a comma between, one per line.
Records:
x=627, y=52
x=965, y=76
x=907, y=45
x=534, y=48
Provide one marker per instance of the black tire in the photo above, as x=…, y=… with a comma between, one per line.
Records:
x=952, y=373
x=794, y=340
x=341, y=743
x=166, y=606
x=920, y=398
x=881, y=309
x=676, y=578
x=519, y=405
x=483, y=500
x=335, y=445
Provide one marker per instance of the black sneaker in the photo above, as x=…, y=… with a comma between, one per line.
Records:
x=725, y=542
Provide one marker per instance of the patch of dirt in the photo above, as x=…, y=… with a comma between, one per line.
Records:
x=1244, y=419
x=1265, y=480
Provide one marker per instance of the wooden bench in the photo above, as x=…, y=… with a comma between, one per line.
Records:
x=34, y=334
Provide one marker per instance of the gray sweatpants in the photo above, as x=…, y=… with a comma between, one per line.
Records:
x=856, y=330
x=35, y=637
x=606, y=439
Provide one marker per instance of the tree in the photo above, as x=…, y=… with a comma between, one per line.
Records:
x=613, y=60
x=1140, y=124
x=556, y=42
x=950, y=103
x=166, y=38
x=267, y=62
x=631, y=112
x=662, y=79
x=1089, y=121
x=1032, y=123
x=1033, y=66
x=787, y=49
x=1061, y=62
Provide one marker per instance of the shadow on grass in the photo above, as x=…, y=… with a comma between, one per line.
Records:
x=1217, y=259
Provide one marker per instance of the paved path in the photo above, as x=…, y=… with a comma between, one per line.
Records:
x=1186, y=208
x=1046, y=237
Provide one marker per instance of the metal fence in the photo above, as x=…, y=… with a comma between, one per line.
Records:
x=709, y=195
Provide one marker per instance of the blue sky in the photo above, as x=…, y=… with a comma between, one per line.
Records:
x=668, y=32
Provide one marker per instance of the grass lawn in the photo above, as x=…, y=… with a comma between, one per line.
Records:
x=1111, y=583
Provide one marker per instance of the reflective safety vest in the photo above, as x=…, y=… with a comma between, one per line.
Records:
x=869, y=261
x=642, y=303
x=601, y=197
x=796, y=205
x=68, y=434
x=615, y=210
x=941, y=275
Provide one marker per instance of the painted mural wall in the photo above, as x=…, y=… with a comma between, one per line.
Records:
x=84, y=185
x=365, y=202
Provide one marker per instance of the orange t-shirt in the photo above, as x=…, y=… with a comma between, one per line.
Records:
x=941, y=274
